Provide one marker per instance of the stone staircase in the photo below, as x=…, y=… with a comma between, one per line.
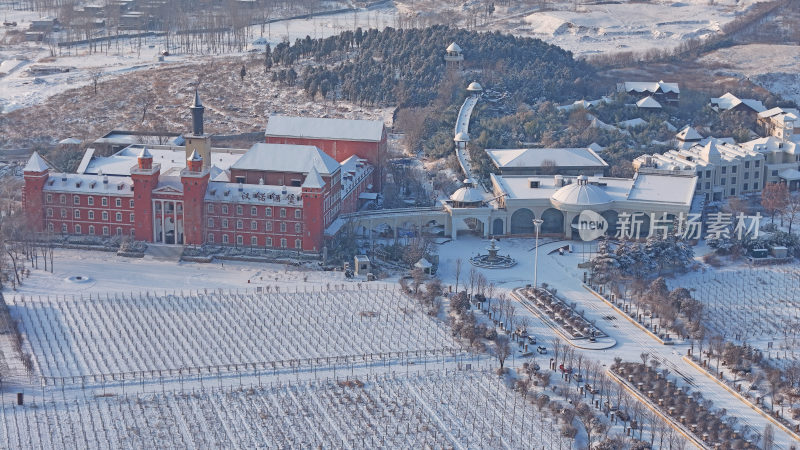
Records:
x=164, y=252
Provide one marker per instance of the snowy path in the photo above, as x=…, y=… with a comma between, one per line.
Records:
x=462, y=125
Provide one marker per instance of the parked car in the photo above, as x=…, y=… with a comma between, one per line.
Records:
x=541, y=350
x=591, y=389
x=577, y=377
x=532, y=339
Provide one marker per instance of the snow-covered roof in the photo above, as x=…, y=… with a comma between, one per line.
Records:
x=648, y=102
x=581, y=193
x=145, y=153
x=286, y=158
x=423, y=264
x=90, y=184
x=688, y=134
x=778, y=111
x=771, y=144
x=534, y=157
x=168, y=157
x=217, y=174
x=454, y=48
x=789, y=174
x=323, y=128
x=69, y=141
x=194, y=156
x=36, y=163
x=647, y=86
x=656, y=188
x=467, y=194
x=256, y=194
x=632, y=123
x=353, y=171
x=313, y=180
x=710, y=152
x=730, y=101
x=474, y=87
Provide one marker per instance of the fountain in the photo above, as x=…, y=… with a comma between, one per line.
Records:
x=492, y=260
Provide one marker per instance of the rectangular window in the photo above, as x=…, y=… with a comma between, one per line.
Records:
x=239, y=240
x=50, y=227
x=105, y=215
x=63, y=213
x=239, y=210
x=90, y=201
x=132, y=218
x=119, y=231
x=269, y=225
x=224, y=223
x=118, y=202
x=283, y=227
x=210, y=222
x=49, y=212
x=733, y=180
x=253, y=211
x=224, y=238
x=733, y=169
x=91, y=229
x=64, y=228
x=253, y=225
x=297, y=228
x=724, y=170
x=269, y=242
x=755, y=186
x=722, y=181
x=211, y=238
x=224, y=209
x=733, y=191
x=298, y=214
x=130, y=203
x=283, y=212
x=774, y=173
x=104, y=201
x=62, y=199
x=210, y=208
x=76, y=214
x=744, y=187
x=76, y=200
x=91, y=215
x=105, y=231
x=77, y=229
x=746, y=175
x=747, y=164
x=283, y=243
x=49, y=198
x=758, y=163
x=708, y=174
x=298, y=244
x=254, y=241
x=119, y=217
x=239, y=225
x=268, y=211
x=708, y=185
x=133, y=232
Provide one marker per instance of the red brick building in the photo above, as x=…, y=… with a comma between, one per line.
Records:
x=273, y=195
x=339, y=138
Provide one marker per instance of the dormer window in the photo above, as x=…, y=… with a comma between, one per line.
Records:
x=534, y=184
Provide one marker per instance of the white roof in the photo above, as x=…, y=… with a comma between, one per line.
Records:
x=581, y=194
x=121, y=162
x=423, y=264
x=647, y=86
x=632, y=123
x=36, y=163
x=217, y=174
x=145, y=153
x=254, y=194
x=789, y=174
x=194, y=156
x=730, y=101
x=710, y=152
x=663, y=188
x=534, y=157
x=648, y=102
x=90, y=184
x=286, y=158
x=461, y=137
x=320, y=128
x=688, y=134
x=778, y=111
x=313, y=180
x=69, y=141
x=474, y=86
x=467, y=194
x=453, y=48
x=770, y=144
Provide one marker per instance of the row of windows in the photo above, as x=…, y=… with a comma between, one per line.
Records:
x=268, y=242
x=745, y=186
x=298, y=227
x=78, y=229
x=76, y=214
x=76, y=200
x=298, y=214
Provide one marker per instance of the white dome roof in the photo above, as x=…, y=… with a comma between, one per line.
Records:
x=467, y=194
x=474, y=86
x=461, y=137
x=454, y=48
x=581, y=194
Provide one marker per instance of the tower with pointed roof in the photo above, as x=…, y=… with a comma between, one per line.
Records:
x=198, y=141
x=35, y=173
x=145, y=178
x=195, y=184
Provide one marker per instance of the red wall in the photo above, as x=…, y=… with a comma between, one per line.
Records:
x=194, y=192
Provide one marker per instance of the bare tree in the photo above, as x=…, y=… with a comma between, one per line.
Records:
x=458, y=271
x=768, y=438
x=502, y=350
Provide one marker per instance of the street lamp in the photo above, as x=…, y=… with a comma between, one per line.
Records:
x=537, y=223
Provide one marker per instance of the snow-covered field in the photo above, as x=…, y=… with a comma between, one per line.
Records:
x=146, y=332
x=771, y=66
x=432, y=410
x=756, y=305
